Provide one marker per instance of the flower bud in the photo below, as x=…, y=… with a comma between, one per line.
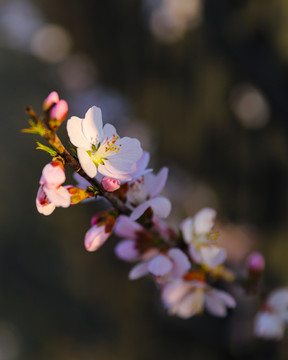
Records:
x=59, y=111
x=109, y=184
x=51, y=99
x=255, y=264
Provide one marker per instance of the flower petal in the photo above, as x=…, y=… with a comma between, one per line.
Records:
x=86, y=163
x=204, y=221
x=95, y=237
x=125, y=227
x=181, y=263
x=160, y=265
x=138, y=271
x=161, y=207
x=187, y=227
x=126, y=250
x=59, y=197
x=75, y=133
x=155, y=184
x=212, y=255
x=44, y=206
x=92, y=125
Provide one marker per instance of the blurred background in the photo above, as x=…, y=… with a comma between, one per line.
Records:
x=204, y=86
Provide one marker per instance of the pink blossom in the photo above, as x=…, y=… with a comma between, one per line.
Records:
x=51, y=193
x=51, y=99
x=188, y=298
x=255, y=263
x=109, y=184
x=270, y=322
x=59, y=111
x=53, y=175
x=95, y=237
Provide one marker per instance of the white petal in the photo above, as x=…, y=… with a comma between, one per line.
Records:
x=108, y=131
x=75, y=133
x=204, y=220
x=161, y=207
x=160, y=265
x=138, y=271
x=102, y=169
x=129, y=153
x=212, y=255
x=269, y=326
x=155, y=184
x=181, y=263
x=59, y=197
x=187, y=227
x=141, y=166
x=86, y=163
x=92, y=125
x=278, y=300
x=191, y=304
x=195, y=253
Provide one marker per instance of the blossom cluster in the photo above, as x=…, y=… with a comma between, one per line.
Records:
x=188, y=265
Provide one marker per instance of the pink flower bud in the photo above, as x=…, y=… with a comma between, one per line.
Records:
x=255, y=263
x=95, y=237
x=59, y=111
x=51, y=99
x=109, y=184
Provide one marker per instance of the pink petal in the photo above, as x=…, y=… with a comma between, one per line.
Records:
x=44, y=206
x=59, y=197
x=109, y=184
x=125, y=227
x=138, y=271
x=59, y=111
x=160, y=265
x=51, y=99
x=181, y=263
x=53, y=175
x=126, y=250
x=95, y=237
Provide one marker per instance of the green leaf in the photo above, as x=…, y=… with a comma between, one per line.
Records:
x=49, y=150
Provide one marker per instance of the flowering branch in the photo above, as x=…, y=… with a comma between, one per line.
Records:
x=186, y=264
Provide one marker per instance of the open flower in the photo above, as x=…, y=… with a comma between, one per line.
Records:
x=100, y=149
x=187, y=298
x=143, y=193
x=270, y=321
x=165, y=266
x=51, y=194
x=197, y=234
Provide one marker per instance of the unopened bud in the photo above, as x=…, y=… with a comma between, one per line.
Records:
x=109, y=184
x=255, y=264
x=51, y=99
x=59, y=111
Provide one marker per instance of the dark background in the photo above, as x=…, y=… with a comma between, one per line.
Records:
x=209, y=101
